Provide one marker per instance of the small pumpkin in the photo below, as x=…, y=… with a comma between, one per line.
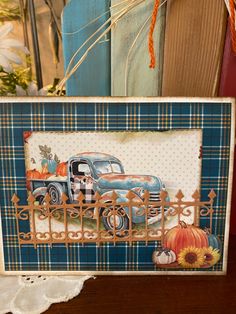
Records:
x=213, y=240
x=163, y=256
x=30, y=175
x=62, y=169
x=183, y=235
x=45, y=176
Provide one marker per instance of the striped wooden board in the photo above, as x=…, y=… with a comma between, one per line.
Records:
x=93, y=76
x=194, y=44
x=130, y=72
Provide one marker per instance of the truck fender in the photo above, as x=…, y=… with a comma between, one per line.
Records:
x=53, y=187
x=39, y=192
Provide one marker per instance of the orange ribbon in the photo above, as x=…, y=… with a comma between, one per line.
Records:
x=150, y=37
x=232, y=24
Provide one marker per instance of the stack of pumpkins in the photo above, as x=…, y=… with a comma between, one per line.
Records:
x=188, y=246
x=48, y=171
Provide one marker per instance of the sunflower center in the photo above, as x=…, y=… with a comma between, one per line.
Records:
x=191, y=257
x=208, y=257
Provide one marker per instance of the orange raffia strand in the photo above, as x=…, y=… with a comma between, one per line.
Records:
x=232, y=24
x=150, y=36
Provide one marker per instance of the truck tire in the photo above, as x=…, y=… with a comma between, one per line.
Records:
x=55, y=190
x=121, y=222
x=40, y=199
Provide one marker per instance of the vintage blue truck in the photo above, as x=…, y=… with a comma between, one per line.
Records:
x=89, y=172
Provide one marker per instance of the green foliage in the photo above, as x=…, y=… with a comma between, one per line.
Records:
x=9, y=10
x=45, y=151
x=52, y=88
x=57, y=160
x=8, y=81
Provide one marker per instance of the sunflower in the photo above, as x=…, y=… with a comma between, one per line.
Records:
x=211, y=255
x=191, y=257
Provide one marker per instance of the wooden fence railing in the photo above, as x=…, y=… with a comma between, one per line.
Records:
x=84, y=222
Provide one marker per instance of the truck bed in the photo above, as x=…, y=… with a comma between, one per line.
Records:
x=39, y=183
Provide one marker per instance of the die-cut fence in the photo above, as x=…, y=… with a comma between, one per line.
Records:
x=73, y=218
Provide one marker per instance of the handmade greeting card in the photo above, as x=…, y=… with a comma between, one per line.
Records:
x=110, y=186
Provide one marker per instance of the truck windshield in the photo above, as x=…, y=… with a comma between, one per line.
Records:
x=103, y=167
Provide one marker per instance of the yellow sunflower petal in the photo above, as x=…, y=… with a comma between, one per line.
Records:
x=211, y=256
x=191, y=257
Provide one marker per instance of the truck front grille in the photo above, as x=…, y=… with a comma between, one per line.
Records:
x=154, y=197
x=153, y=211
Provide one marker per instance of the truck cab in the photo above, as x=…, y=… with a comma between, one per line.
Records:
x=86, y=169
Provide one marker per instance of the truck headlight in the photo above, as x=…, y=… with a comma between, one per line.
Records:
x=139, y=191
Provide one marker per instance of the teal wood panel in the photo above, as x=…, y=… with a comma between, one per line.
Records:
x=93, y=77
x=137, y=79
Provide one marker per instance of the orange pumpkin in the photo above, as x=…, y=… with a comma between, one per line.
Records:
x=183, y=235
x=31, y=174
x=62, y=169
x=45, y=176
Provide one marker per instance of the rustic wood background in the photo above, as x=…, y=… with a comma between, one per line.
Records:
x=194, y=44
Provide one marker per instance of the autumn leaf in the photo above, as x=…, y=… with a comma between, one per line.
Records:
x=56, y=159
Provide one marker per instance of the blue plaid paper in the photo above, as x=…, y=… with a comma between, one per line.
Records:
x=15, y=118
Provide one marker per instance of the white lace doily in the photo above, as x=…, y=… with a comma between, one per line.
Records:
x=34, y=294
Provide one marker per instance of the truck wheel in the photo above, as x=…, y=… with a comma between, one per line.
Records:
x=119, y=221
x=55, y=190
x=40, y=199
